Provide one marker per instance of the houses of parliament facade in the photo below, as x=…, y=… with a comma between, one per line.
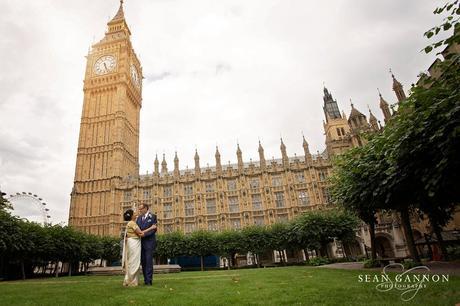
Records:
x=107, y=179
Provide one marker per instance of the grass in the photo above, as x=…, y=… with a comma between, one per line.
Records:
x=270, y=286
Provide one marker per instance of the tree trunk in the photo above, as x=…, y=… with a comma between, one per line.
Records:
x=346, y=249
x=324, y=251
x=405, y=219
x=372, y=234
x=442, y=245
x=56, y=269
x=2, y=267
x=229, y=262
x=23, y=272
x=202, y=263
x=307, y=256
x=70, y=268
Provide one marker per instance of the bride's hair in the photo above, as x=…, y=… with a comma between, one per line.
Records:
x=128, y=214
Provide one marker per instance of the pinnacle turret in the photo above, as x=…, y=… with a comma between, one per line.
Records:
x=176, y=164
x=385, y=108
x=164, y=166
x=239, y=155
x=373, y=121
x=398, y=89
x=156, y=165
x=284, y=155
x=218, y=161
x=261, y=156
x=305, y=145
x=197, y=163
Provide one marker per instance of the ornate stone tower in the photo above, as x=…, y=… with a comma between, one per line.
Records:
x=385, y=108
x=358, y=124
x=398, y=89
x=108, y=146
x=336, y=127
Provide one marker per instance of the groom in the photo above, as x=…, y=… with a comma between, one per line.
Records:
x=148, y=243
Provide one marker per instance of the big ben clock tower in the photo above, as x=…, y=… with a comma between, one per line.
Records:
x=108, y=145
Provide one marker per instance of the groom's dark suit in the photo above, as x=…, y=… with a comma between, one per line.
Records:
x=148, y=244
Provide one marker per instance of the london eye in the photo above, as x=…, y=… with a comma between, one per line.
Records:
x=27, y=205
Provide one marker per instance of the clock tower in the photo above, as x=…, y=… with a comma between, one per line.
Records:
x=108, y=145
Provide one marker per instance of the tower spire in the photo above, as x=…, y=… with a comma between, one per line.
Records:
x=284, y=155
x=239, y=155
x=305, y=145
x=156, y=165
x=118, y=22
x=197, y=163
x=218, y=162
x=261, y=156
x=373, y=120
x=398, y=89
x=357, y=120
x=164, y=166
x=176, y=165
x=306, y=150
x=120, y=13
x=330, y=107
x=384, y=107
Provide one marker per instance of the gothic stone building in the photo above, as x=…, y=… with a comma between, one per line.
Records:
x=107, y=179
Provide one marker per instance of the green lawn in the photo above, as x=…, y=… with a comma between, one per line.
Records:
x=270, y=286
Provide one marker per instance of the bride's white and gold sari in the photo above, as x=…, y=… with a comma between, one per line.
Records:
x=131, y=259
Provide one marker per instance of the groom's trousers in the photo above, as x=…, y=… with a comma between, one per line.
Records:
x=147, y=261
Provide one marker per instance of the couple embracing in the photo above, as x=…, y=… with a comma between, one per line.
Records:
x=138, y=245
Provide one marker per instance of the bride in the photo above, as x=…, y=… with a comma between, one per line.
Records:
x=131, y=259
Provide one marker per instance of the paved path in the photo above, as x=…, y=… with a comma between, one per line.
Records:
x=344, y=265
x=436, y=267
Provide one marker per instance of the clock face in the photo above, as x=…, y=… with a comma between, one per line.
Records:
x=135, y=76
x=105, y=64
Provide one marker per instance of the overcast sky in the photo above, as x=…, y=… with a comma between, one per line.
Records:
x=216, y=72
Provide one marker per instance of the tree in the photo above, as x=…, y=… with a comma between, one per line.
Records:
x=171, y=245
x=413, y=164
x=314, y=230
x=278, y=238
x=228, y=244
x=428, y=143
x=4, y=204
x=201, y=243
x=255, y=240
x=354, y=180
x=344, y=225
x=452, y=9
